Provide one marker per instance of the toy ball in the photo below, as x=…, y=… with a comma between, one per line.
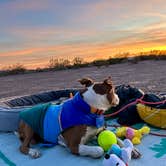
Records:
x=106, y=139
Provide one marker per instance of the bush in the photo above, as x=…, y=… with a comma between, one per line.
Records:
x=15, y=69
x=116, y=60
x=78, y=62
x=100, y=62
x=58, y=63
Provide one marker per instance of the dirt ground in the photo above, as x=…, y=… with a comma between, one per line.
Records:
x=150, y=76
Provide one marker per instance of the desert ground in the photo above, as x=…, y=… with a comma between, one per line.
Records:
x=150, y=76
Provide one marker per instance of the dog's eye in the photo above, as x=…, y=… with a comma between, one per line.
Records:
x=117, y=164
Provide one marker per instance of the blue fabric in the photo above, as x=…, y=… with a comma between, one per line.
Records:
x=51, y=124
x=60, y=156
x=72, y=112
x=76, y=111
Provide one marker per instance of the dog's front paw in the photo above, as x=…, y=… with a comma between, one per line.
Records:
x=34, y=153
x=92, y=151
x=97, y=152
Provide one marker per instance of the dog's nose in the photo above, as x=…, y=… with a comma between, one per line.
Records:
x=115, y=101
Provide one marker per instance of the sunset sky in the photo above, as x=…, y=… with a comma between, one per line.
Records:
x=33, y=31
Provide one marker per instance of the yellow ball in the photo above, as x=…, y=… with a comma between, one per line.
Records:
x=106, y=139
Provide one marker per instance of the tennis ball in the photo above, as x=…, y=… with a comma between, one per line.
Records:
x=106, y=139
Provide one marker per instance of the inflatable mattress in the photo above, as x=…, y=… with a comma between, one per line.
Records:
x=10, y=108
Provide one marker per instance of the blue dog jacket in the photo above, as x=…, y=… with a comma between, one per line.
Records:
x=74, y=111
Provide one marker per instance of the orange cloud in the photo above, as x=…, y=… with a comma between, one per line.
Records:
x=43, y=43
x=17, y=53
x=39, y=57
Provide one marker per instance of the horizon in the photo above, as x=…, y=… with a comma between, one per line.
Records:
x=32, y=32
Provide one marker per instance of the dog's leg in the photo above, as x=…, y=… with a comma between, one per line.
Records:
x=85, y=150
x=92, y=151
x=77, y=136
x=28, y=133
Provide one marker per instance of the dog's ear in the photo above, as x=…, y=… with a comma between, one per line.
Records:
x=86, y=81
x=108, y=81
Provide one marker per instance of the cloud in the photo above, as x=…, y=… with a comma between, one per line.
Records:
x=114, y=14
x=49, y=32
x=18, y=5
x=87, y=44
x=34, y=31
x=156, y=14
x=88, y=51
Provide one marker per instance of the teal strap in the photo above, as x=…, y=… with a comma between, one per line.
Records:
x=6, y=160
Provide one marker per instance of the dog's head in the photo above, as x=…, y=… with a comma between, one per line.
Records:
x=100, y=95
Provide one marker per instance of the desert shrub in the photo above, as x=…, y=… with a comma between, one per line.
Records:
x=58, y=63
x=78, y=62
x=15, y=69
x=116, y=60
x=100, y=62
x=38, y=69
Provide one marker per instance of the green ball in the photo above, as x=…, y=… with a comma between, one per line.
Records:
x=106, y=139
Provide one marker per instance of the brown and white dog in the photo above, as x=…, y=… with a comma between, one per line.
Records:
x=99, y=96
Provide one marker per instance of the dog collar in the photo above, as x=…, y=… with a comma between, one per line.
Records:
x=82, y=104
x=93, y=110
x=96, y=111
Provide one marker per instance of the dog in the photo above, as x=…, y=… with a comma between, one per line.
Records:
x=83, y=120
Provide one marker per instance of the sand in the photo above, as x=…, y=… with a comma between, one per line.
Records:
x=150, y=76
